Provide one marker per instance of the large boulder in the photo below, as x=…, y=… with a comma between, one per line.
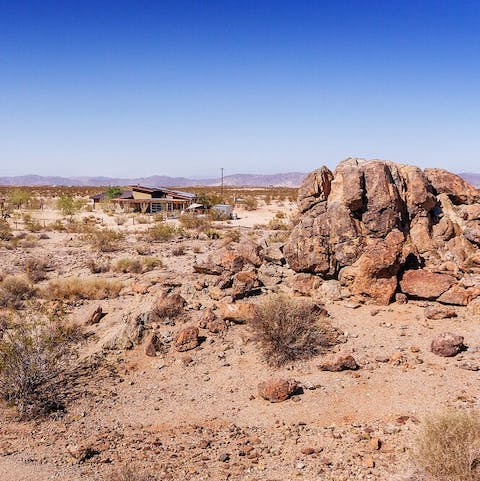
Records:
x=371, y=223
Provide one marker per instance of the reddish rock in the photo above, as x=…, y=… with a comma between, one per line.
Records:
x=339, y=363
x=277, y=390
x=401, y=298
x=204, y=317
x=424, y=284
x=168, y=306
x=153, y=346
x=250, y=252
x=459, y=296
x=186, y=339
x=305, y=284
x=457, y=189
x=447, y=344
x=216, y=325
x=95, y=316
x=435, y=312
x=238, y=312
x=315, y=188
x=243, y=284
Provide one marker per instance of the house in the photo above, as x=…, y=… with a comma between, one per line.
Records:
x=149, y=199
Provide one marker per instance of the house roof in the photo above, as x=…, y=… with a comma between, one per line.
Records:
x=125, y=194
x=128, y=194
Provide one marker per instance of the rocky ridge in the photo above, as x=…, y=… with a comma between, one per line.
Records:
x=378, y=228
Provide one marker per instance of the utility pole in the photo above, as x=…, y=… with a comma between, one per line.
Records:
x=221, y=187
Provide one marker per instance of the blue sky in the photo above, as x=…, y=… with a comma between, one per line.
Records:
x=186, y=87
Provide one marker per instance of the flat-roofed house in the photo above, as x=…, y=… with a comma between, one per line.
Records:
x=150, y=199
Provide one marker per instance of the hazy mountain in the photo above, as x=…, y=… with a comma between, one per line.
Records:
x=471, y=178
x=290, y=179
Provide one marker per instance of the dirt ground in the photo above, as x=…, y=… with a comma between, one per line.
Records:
x=196, y=415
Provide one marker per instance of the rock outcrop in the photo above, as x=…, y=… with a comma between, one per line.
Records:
x=380, y=228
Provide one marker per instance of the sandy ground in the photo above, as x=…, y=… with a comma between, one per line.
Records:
x=197, y=415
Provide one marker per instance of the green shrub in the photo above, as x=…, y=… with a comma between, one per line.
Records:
x=160, y=232
x=107, y=240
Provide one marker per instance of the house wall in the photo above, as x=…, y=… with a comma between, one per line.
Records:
x=141, y=195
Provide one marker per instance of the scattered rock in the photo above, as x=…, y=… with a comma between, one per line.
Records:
x=95, y=316
x=425, y=285
x=447, y=344
x=339, y=363
x=277, y=390
x=186, y=339
x=436, y=313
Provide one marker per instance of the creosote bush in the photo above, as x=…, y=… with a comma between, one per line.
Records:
x=160, y=232
x=290, y=330
x=448, y=447
x=75, y=288
x=31, y=354
x=5, y=230
x=107, y=240
x=136, y=266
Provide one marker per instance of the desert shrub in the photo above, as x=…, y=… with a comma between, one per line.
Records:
x=250, y=203
x=448, y=447
x=149, y=263
x=14, y=291
x=36, y=269
x=143, y=249
x=31, y=354
x=141, y=219
x=31, y=224
x=160, y=232
x=289, y=330
x=5, y=230
x=212, y=234
x=232, y=235
x=193, y=221
x=128, y=265
x=120, y=219
x=97, y=266
x=74, y=288
x=106, y=240
x=277, y=224
x=68, y=205
x=178, y=250
x=57, y=226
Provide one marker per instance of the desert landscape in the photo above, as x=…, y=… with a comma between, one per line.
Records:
x=322, y=333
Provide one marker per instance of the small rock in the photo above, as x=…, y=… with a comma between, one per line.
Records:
x=447, y=344
x=277, y=390
x=436, y=313
x=187, y=338
x=339, y=363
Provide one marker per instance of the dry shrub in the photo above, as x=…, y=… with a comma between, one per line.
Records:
x=97, y=266
x=232, y=235
x=289, y=330
x=178, y=250
x=128, y=265
x=250, y=203
x=193, y=221
x=448, y=447
x=5, y=230
x=74, y=288
x=107, y=240
x=14, y=291
x=143, y=249
x=150, y=263
x=160, y=232
x=31, y=354
x=36, y=269
x=141, y=219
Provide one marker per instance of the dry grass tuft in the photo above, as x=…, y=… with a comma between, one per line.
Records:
x=75, y=288
x=448, y=448
x=36, y=269
x=14, y=291
x=290, y=330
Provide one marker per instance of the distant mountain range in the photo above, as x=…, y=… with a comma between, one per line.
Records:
x=471, y=178
x=290, y=179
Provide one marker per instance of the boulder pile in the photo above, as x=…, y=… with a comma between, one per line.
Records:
x=381, y=228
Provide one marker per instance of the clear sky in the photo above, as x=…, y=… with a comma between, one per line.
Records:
x=177, y=87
